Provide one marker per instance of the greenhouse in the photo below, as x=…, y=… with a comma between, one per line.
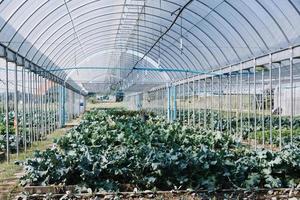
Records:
x=150, y=99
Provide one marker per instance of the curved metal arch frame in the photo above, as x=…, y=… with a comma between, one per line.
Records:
x=189, y=41
x=197, y=37
x=240, y=35
x=153, y=74
x=27, y=19
x=92, y=39
x=96, y=50
x=111, y=43
x=218, y=31
x=133, y=46
x=83, y=5
x=287, y=19
x=71, y=52
x=275, y=21
x=23, y=2
x=252, y=26
x=122, y=47
x=12, y=15
x=69, y=29
x=223, y=36
x=168, y=73
x=194, y=47
x=129, y=60
x=153, y=54
x=207, y=35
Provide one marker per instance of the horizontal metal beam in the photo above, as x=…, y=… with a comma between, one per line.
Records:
x=135, y=69
x=19, y=60
x=277, y=56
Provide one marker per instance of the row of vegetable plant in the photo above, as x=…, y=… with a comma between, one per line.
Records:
x=245, y=126
x=117, y=150
x=12, y=136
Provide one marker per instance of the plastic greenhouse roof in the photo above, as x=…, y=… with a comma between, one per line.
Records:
x=115, y=34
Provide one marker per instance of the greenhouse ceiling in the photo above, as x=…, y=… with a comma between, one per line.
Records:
x=139, y=44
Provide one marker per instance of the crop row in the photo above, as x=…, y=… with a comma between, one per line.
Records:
x=116, y=150
x=245, y=125
x=30, y=136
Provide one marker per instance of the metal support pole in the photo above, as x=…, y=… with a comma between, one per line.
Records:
x=271, y=97
x=184, y=103
x=194, y=119
x=292, y=95
x=7, y=112
x=24, y=131
x=219, y=103
x=249, y=110
x=169, y=103
x=199, y=104
x=227, y=102
x=241, y=102
x=237, y=85
x=175, y=102
x=188, y=94
x=211, y=103
x=179, y=97
x=263, y=108
x=56, y=104
x=29, y=102
x=230, y=104
x=255, y=104
x=16, y=113
x=46, y=107
x=205, y=110
x=280, y=112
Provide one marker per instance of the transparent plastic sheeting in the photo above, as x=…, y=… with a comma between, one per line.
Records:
x=208, y=35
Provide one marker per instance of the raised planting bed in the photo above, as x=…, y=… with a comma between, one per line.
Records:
x=69, y=192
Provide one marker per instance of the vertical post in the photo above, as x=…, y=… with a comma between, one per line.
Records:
x=46, y=107
x=188, y=94
x=263, y=108
x=24, y=131
x=16, y=120
x=179, y=97
x=175, y=102
x=62, y=104
x=230, y=108
x=35, y=111
x=199, y=103
x=194, y=102
x=227, y=101
x=249, y=109
x=219, y=103
x=168, y=87
x=205, y=110
x=292, y=95
x=183, y=109
x=55, y=104
x=237, y=85
x=211, y=103
x=255, y=104
x=280, y=110
x=241, y=101
x=29, y=101
x=270, y=77
x=7, y=112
